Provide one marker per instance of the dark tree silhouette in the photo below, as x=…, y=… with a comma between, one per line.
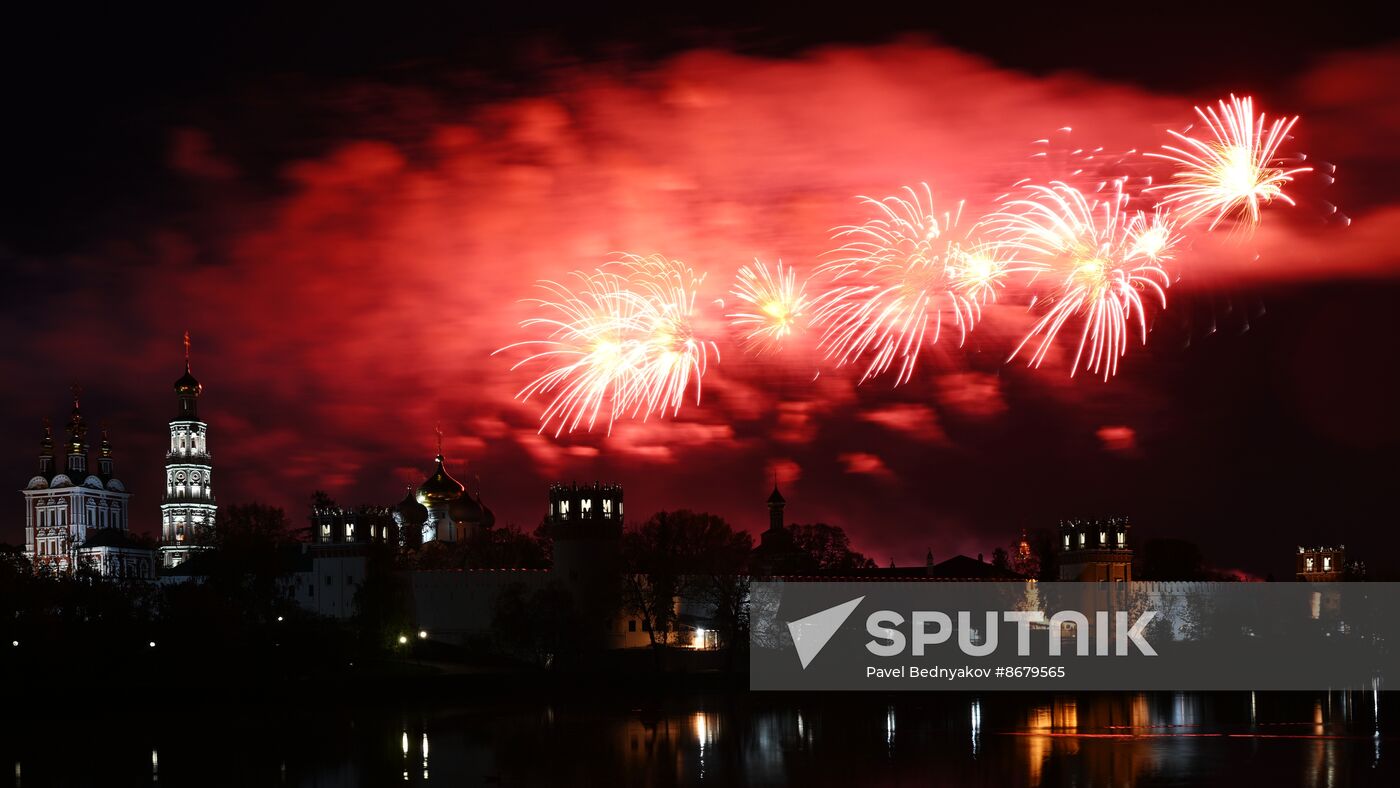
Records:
x=828, y=547
x=676, y=554
x=541, y=626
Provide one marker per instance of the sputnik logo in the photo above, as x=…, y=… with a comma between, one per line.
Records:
x=810, y=634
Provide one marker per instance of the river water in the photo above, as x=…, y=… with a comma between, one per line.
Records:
x=722, y=738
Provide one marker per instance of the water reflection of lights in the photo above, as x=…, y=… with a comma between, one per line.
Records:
x=425, y=755
x=1376, y=720
x=155, y=764
x=704, y=736
x=702, y=729
x=889, y=727
x=1186, y=709
x=976, y=726
x=1376, y=703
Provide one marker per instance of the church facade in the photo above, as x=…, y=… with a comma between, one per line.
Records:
x=76, y=516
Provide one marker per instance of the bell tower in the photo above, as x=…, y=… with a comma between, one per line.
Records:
x=187, y=510
x=776, y=505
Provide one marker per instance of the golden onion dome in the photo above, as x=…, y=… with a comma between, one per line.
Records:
x=440, y=487
x=187, y=385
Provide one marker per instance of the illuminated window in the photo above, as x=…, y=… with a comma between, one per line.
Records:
x=1082, y=539
x=1103, y=537
x=1066, y=540
x=1122, y=537
x=586, y=507
x=1307, y=564
x=564, y=509
x=349, y=530
x=1327, y=564
x=607, y=507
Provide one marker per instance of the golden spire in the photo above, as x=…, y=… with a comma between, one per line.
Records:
x=77, y=430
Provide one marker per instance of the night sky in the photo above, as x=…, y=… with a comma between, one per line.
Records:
x=346, y=209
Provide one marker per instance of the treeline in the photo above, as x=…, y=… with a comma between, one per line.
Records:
x=231, y=611
x=234, y=625
x=674, y=565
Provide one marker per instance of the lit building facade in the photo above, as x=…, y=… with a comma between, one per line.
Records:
x=1322, y=564
x=188, y=508
x=574, y=504
x=76, y=516
x=1095, y=550
x=335, y=525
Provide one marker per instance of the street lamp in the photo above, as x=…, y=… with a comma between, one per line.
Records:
x=152, y=644
x=422, y=634
x=403, y=640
